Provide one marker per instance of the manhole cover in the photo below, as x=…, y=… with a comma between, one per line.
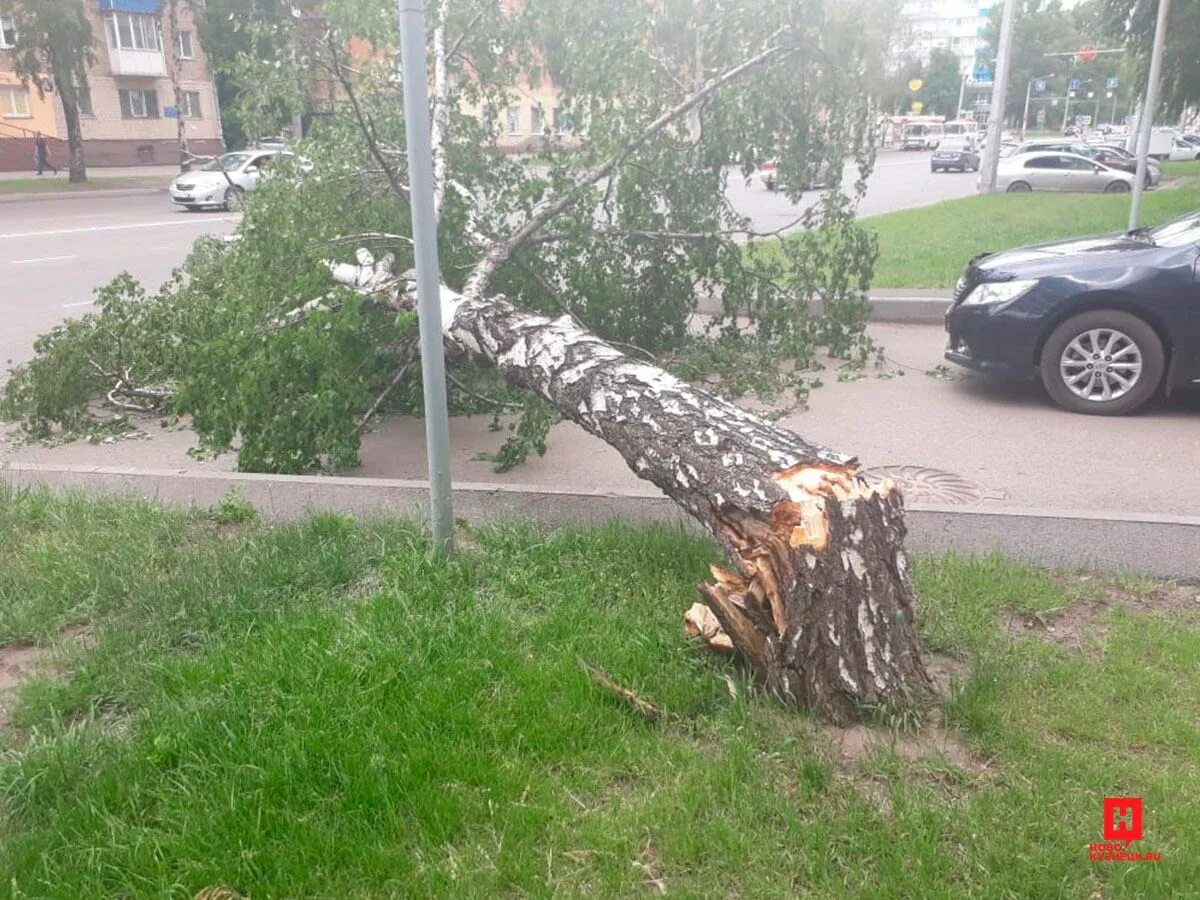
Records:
x=920, y=484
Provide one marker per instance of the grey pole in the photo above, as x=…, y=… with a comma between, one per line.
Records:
x=987, y=183
x=414, y=73
x=1025, y=115
x=962, y=89
x=1149, y=107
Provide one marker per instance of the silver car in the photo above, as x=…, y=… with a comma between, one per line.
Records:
x=1060, y=172
x=223, y=182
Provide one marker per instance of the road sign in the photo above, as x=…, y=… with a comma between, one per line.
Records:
x=1087, y=53
x=1113, y=83
x=917, y=106
x=915, y=85
x=1083, y=120
x=1039, y=86
x=1074, y=84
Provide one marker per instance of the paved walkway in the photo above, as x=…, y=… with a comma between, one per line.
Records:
x=164, y=172
x=964, y=440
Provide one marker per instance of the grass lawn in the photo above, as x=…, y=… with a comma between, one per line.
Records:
x=324, y=711
x=928, y=247
x=52, y=183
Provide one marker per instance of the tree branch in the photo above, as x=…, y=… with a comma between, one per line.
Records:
x=441, y=90
x=502, y=251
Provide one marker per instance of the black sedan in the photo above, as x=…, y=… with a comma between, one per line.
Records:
x=1106, y=323
x=954, y=155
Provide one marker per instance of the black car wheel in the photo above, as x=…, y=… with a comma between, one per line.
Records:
x=1117, y=187
x=235, y=198
x=1019, y=187
x=1104, y=363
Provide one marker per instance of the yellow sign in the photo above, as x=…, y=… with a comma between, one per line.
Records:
x=917, y=106
x=915, y=85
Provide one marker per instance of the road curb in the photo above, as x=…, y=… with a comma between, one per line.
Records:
x=1161, y=546
x=898, y=307
x=80, y=195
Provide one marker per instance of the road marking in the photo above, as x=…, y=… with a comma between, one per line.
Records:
x=73, y=305
x=91, y=228
x=18, y=262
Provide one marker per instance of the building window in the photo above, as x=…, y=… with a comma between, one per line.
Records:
x=537, y=120
x=189, y=104
x=138, y=104
x=184, y=49
x=8, y=31
x=129, y=31
x=84, y=102
x=562, y=121
x=514, y=120
x=14, y=102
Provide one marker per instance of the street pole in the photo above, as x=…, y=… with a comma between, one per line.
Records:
x=414, y=73
x=1025, y=115
x=999, y=99
x=962, y=87
x=1149, y=106
x=1067, y=107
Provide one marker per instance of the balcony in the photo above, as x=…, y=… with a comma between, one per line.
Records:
x=147, y=63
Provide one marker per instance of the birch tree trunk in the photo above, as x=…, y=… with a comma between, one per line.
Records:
x=819, y=602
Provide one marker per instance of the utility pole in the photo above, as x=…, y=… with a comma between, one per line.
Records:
x=414, y=73
x=962, y=87
x=999, y=99
x=1028, y=92
x=1149, y=107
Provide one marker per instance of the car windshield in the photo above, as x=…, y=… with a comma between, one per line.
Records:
x=1178, y=233
x=230, y=162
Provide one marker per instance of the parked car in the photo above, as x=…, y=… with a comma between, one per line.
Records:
x=1060, y=172
x=1182, y=150
x=223, y=182
x=1104, y=154
x=1106, y=323
x=955, y=153
x=768, y=174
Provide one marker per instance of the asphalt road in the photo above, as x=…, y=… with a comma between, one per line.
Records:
x=54, y=253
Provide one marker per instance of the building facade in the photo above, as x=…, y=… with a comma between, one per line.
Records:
x=151, y=92
x=958, y=25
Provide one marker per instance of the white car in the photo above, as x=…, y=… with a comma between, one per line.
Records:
x=1050, y=171
x=1182, y=151
x=223, y=182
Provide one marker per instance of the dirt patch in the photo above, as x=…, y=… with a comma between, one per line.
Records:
x=1084, y=622
x=18, y=664
x=944, y=671
x=857, y=742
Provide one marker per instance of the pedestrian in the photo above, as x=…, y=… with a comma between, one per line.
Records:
x=41, y=154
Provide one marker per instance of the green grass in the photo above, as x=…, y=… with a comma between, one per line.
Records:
x=928, y=247
x=51, y=183
x=324, y=710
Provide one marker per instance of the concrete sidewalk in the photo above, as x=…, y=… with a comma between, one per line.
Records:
x=951, y=437
x=164, y=172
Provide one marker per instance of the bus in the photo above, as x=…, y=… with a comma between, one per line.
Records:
x=922, y=133
x=962, y=128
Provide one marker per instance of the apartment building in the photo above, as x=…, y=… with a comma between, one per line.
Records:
x=151, y=92
x=957, y=25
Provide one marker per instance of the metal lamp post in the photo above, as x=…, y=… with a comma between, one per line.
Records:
x=1149, y=106
x=414, y=73
x=1028, y=92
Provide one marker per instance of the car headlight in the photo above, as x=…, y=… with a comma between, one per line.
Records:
x=993, y=292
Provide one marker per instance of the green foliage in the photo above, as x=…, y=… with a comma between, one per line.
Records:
x=233, y=509
x=942, y=80
x=1131, y=23
x=264, y=358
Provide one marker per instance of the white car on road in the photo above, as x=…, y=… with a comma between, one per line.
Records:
x=1042, y=171
x=223, y=182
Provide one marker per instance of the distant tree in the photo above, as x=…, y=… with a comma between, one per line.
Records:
x=1131, y=22
x=939, y=93
x=53, y=51
x=897, y=98
x=1042, y=26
